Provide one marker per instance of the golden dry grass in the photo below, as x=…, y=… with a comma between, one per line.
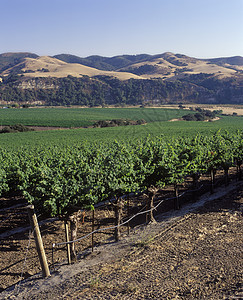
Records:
x=58, y=68
x=194, y=66
x=167, y=66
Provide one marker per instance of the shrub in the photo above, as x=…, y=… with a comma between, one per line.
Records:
x=189, y=117
x=15, y=128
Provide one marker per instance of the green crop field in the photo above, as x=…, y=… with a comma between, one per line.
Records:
x=77, y=136
x=81, y=117
x=58, y=169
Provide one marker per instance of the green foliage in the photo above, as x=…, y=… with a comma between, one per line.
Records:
x=118, y=122
x=57, y=179
x=15, y=128
x=105, y=90
x=81, y=117
x=74, y=137
x=202, y=115
x=144, y=69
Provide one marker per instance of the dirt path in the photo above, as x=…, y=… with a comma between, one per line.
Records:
x=195, y=253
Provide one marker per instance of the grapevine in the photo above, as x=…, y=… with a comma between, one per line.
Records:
x=58, y=180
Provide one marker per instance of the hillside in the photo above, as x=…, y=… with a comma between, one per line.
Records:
x=127, y=79
x=104, y=63
x=8, y=60
x=122, y=61
x=234, y=60
x=174, y=66
x=166, y=66
x=45, y=66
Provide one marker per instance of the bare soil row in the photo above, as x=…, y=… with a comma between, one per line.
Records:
x=19, y=258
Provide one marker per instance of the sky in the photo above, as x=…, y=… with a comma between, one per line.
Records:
x=197, y=28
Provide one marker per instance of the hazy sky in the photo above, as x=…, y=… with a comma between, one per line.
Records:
x=198, y=28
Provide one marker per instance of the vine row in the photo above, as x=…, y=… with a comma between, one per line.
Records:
x=59, y=180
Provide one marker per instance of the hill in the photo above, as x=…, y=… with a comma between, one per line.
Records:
x=121, y=61
x=174, y=66
x=104, y=63
x=127, y=79
x=8, y=60
x=166, y=66
x=45, y=66
x=234, y=60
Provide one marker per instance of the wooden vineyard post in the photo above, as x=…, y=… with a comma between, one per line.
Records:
x=67, y=241
x=92, y=235
x=38, y=241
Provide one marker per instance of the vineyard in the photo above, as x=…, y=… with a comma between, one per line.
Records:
x=58, y=180
x=62, y=181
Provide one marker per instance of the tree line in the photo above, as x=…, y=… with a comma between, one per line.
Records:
x=105, y=90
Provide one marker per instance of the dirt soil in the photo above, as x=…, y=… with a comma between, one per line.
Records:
x=193, y=253
x=225, y=109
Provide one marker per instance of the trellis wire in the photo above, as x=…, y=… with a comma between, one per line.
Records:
x=116, y=226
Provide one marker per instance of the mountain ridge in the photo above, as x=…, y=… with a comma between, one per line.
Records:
x=46, y=66
x=131, y=79
x=142, y=66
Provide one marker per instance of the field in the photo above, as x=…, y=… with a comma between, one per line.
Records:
x=66, y=118
x=56, y=169
x=81, y=117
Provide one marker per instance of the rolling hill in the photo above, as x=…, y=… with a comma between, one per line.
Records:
x=45, y=66
x=127, y=79
x=104, y=63
x=8, y=60
x=234, y=60
x=169, y=65
x=143, y=66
